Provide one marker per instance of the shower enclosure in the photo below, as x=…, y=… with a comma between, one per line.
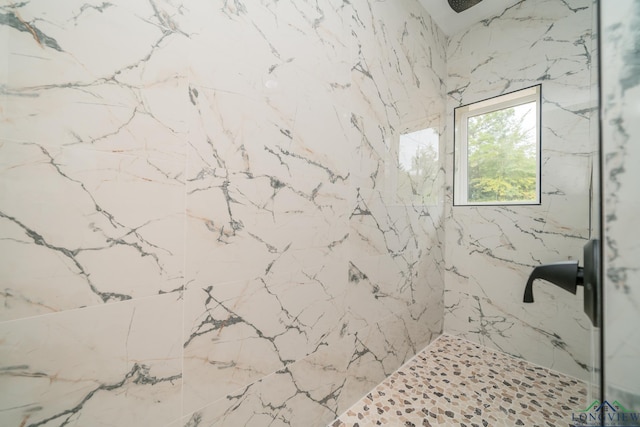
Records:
x=193, y=229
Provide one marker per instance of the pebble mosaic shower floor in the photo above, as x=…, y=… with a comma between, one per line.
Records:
x=454, y=382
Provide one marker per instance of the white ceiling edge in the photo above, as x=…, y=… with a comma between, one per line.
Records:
x=452, y=23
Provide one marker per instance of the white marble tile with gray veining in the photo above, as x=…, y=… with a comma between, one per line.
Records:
x=244, y=190
x=118, y=364
x=94, y=189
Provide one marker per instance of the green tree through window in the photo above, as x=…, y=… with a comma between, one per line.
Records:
x=502, y=158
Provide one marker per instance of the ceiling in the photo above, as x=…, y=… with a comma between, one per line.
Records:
x=451, y=22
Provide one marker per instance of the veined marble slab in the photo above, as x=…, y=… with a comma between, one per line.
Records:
x=198, y=218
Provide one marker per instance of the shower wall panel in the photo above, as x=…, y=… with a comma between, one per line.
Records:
x=198, y=218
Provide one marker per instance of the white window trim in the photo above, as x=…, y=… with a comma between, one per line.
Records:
x=461, y=117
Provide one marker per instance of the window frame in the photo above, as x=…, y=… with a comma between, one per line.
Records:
x=460, y=142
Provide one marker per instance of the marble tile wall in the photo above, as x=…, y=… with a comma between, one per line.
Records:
x=490, y=251
x=620, y=29
x=198, y=218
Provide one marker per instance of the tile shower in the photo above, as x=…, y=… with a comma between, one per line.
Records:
x=198, y=216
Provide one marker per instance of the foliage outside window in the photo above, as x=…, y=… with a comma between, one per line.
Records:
x=418, y=167
x=497, y=150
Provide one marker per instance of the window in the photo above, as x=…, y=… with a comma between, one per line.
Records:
x=497, y=150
